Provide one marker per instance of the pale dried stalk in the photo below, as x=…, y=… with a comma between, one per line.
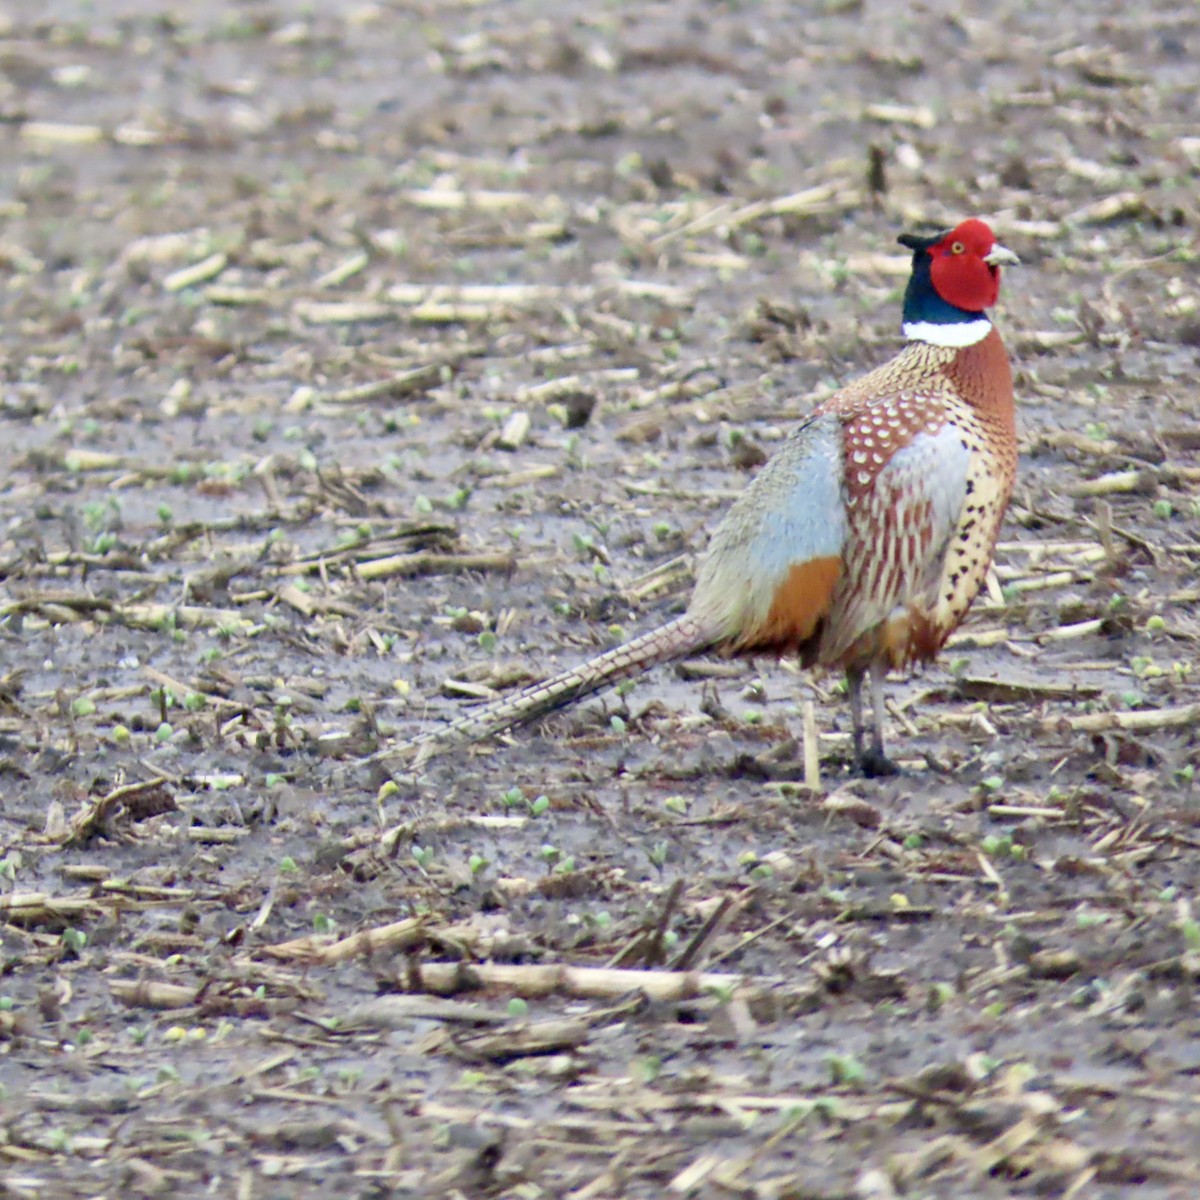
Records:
x=241, y=297
x=978, y=637
x=433, y=564
x=91, y=460
x=1130, y=722
x=1123, y=204
x=1067, y=632
x=155, y=616
x=346, y=312
x=404, y=383
x=206, y=269
x=61, y=133
x=1115, y=483
x=400, y=935
x=491, y=295
x=566, y=385
x=580, y=982
x=826, y=197
x=812, y=748
x=1055, y=579
x=523, y=478
x=144, y=993
x=667, y=576
x=343, y=271
x=921, y=116
x=35, y=907
x=456, y=199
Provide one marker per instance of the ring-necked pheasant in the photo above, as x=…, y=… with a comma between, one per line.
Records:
x=863, y=541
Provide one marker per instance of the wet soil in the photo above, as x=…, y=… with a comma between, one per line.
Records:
x=360, y=360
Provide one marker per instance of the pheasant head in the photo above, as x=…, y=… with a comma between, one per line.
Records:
x=955, y=277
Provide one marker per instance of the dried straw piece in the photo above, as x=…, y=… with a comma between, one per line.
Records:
x=607, y=983
x=1131, y=722
x=400, y=935
x=147, y=993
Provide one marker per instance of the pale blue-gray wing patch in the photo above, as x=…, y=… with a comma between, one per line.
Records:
x=934, y=468
x=792, y=512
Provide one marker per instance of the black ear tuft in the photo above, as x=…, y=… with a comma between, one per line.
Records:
x=917, y=242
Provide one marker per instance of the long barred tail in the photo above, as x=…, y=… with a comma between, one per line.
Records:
x=665, y=644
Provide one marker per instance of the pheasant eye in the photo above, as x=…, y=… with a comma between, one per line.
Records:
x=957, y=248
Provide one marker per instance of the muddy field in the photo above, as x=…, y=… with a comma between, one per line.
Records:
x=361, y=360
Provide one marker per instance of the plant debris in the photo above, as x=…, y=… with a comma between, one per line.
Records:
x=361, y=361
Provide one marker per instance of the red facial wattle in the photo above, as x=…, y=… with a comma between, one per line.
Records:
x=958, y=271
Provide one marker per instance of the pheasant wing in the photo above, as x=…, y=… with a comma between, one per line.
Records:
x=907, y=470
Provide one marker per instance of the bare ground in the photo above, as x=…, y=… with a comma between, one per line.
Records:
x=358, y=359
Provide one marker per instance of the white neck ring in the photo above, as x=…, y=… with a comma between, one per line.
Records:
x=949, y=333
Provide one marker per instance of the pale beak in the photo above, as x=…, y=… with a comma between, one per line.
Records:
x=1000, y=255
